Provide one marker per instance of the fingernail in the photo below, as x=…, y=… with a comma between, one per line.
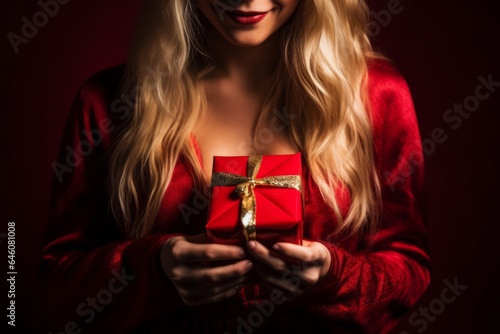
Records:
x=252, y=244
x=243, y=253
x=276, y=247
x=249, y=265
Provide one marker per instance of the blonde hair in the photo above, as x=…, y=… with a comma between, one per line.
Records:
x=322, y=77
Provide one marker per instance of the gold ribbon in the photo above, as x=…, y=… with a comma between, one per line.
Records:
x=244, y=188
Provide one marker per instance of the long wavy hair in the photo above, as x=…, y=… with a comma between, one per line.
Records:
x=322, y=77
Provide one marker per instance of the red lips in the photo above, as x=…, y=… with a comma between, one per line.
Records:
x=246, y=18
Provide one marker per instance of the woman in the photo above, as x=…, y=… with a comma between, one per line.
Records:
x=207, y=78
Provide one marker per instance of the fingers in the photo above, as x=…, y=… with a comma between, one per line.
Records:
x=213, y=274
x=198, y=285
x=181, y=257
x=221, y=296
x=289, y=267
x=207, y=289
x=308, y=254
x=186, y=251
x=314, y=257
x=213, y=295
x=312, y=254
x=288, y=282
x=264, y=255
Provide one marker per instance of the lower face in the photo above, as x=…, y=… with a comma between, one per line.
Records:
x=247, y=23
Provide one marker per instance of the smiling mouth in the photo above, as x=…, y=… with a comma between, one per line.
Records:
x=246, y=18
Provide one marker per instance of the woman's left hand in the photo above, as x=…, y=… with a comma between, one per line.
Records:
x=308, y=264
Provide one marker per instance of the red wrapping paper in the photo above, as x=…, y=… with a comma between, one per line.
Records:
x=279, y=211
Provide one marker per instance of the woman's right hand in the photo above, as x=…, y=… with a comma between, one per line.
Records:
x=181, y=259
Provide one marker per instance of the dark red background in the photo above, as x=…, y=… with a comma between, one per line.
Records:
x=441, y=47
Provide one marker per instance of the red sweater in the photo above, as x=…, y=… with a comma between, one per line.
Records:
x=98, y=281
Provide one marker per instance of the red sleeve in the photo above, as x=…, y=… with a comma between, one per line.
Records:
x=91, y=275
x=372, y=288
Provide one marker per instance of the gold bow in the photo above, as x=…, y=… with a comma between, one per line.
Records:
x=246, y=184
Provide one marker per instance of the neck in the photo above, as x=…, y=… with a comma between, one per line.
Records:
x=249, y=67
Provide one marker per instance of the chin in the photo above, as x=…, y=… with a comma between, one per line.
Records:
x=246, y=40
x=246, y=43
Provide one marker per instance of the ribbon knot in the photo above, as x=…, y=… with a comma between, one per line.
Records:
x=245, y=189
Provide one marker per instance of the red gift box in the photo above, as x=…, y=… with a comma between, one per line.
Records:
x=256, y=197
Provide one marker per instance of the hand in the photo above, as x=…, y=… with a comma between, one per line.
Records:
x=307, y=265
x=181, y=259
